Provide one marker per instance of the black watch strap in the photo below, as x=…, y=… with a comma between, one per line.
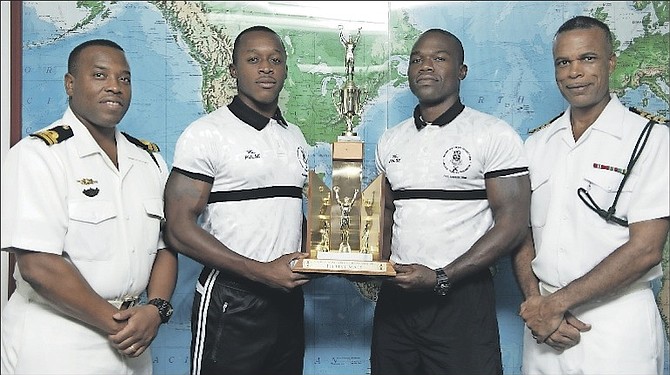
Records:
x=164, y=308
x=442, y=285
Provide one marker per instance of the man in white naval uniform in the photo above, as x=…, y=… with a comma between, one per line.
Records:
x=599, y=218
x=82, y=208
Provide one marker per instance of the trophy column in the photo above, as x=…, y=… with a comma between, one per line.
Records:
x=344, y=224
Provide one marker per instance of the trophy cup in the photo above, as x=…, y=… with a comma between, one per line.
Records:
x=345, y=224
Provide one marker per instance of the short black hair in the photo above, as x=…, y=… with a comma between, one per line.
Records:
x=586, y=22
x=74, y=55
x=453, y=37
x=248, y=30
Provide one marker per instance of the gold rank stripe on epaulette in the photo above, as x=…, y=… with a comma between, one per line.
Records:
x=150, y=145
x=649, y=116
x=545, y=125
x=145, y=145
x=54, y=135
x=141, y=143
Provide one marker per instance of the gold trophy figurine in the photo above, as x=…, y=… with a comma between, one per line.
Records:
x=345, y=218
x=325, y=205
x=348, y=99
x=365, y=239
x=324, y=244
x=367, y=204
x=349, y=45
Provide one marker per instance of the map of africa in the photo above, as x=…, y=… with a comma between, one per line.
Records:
x=179, y=53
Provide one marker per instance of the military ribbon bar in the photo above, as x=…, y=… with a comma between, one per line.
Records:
x=607, y=167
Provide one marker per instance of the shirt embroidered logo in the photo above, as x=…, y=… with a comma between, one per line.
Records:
x=251, y=154
x=457, y=160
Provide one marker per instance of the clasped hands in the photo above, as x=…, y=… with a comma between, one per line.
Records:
x=550, y=324
x=141, y=327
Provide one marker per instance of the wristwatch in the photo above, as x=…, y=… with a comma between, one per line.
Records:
x=443, y=284
x=165, y=309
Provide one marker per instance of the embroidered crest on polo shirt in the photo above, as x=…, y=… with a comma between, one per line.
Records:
x=251, y=154
x=89, y=191
x=394, y=159
x=457, y=160
x=302, y=158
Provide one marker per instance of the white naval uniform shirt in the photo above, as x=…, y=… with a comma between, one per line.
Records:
x=69, y=199
x=251, y=167
x=571, y=239
x=454, y=157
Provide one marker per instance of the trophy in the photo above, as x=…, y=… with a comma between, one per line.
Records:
x=345, y=223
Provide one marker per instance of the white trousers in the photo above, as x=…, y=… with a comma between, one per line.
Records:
x=626, y=338
x=36, y=339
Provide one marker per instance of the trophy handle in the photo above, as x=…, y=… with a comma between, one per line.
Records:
x=337, y=100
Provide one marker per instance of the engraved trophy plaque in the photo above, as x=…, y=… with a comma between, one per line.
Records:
x=345, y=223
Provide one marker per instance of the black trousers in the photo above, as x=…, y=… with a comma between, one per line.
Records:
x=422, y=333
x=244, y=328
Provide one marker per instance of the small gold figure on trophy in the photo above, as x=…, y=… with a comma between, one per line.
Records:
x=367, y=204
x=345, y=207
x=365, y=240
x=324, y=244
x=325, y=203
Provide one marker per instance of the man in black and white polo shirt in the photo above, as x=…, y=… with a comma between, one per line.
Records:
x=234, y=203
x=460, y=197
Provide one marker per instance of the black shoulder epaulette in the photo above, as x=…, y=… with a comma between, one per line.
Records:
x=545, y=124
x=649, y=116
x=144, y=145
x=141, y=143
x=54, y=135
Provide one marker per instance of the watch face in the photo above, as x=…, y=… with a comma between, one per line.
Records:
x=442, y=286
x=164, y=308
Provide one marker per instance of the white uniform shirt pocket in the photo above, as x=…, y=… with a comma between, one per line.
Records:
x=154, y=208
x=156, y=218
x=92, y=230
x=541, y=193
x=602, y=186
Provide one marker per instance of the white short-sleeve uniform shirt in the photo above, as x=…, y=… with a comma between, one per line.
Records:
x=571, y=239
x=438, y=177
x=69, y=199
x=257, y=167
